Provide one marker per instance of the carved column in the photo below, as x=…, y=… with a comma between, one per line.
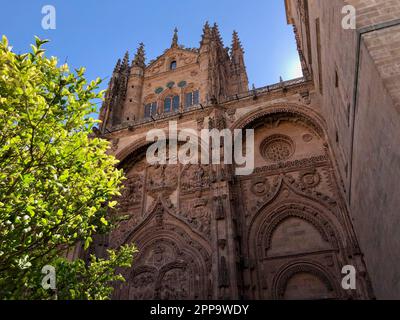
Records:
x=225, y=256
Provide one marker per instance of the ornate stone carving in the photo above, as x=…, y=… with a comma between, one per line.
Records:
x=142, y=286
x=162, y=179
x=219, y=208
x=231, y=114
x=259, y=186
x=295, y=164
x=195, y=177
x=263, y=231
x=156, y=67
x=283, y=277
x=164, y=271
x=218, y=121
x=179, y=215
x=283, y=112
x=197, y=214
x=310, y=178
x=174, y=285
x=132, y=192
x=277, y=148
x=159, y=217
x=159, y=255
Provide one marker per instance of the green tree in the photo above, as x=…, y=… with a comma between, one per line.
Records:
x=56, y=182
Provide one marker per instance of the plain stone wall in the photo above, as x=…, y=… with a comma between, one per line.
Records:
x=375, y=199
x=384, y=49
x=370, y=12
x=364, y=136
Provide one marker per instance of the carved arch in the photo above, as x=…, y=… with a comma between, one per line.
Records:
x=187, y=258
x=270, y=212
x=289, y=270
x=264, y=236
x=266, y=222
x=283, y=111
x=129, y=154
x=178, y=257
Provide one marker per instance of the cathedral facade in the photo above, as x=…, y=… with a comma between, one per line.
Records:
x=283, y=232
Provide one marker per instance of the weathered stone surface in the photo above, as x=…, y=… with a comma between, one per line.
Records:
x=357, y=77
x=285, y=231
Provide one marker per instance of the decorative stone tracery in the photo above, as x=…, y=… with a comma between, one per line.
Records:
x=192, y=222
x=277, y=148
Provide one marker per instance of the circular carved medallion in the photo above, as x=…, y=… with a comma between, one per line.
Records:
x=259, y=186
x=277, y=148
x=310, y=179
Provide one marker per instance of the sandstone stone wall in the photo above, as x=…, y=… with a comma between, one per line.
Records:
x=357, y=76
x=285, y=231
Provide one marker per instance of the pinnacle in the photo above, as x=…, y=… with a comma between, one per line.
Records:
x=216, y=34
x=125, y=62
x=206, y=33
x=117, y=66
x=236, y=44
x=139, y=59
x=174, y=43
x=215, y=30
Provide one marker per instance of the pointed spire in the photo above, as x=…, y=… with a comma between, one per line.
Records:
x=117, y=66
x=215, y=27
x=125, y=62
x=216, y=37
x=238, y=67
x=206, y=30
x=206, y=36
x=216, y=34
x=236, y=44
x=139, y=60
x=174, y=43
x=206, y=27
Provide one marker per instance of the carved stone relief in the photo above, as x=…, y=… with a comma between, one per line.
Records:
x=132, y=192
x=293, y=190
x=277, y=148
x=162, y=178
x=164, y=270
x=310, y=178
x=197, y=214
x=195, y=177
x=259, y=186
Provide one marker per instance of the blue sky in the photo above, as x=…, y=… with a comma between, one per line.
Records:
x=95, y=33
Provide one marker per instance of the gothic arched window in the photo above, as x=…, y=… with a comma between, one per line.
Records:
x=171, y=103
x=172, y=65
x=150, y=109
x=191, y=99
